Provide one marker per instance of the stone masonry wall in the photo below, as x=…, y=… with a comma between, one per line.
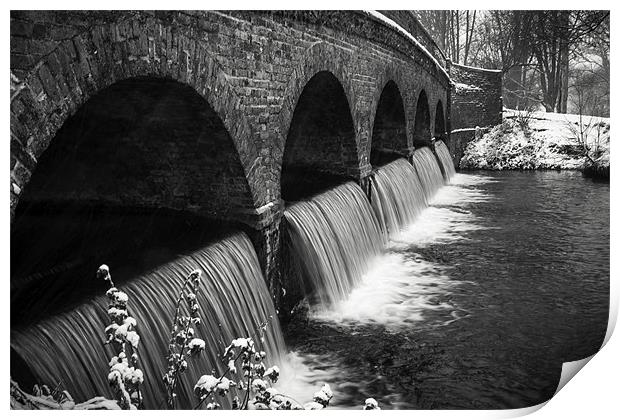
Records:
x=250, y=67
x=458, y=142
x=476, y=97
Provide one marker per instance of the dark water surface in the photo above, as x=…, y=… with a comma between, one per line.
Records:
x=516, y=284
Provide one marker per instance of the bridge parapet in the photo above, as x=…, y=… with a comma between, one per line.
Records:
x=409, y=21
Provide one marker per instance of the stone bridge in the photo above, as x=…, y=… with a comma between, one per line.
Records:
x=221, y=114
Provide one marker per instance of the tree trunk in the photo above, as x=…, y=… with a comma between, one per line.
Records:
x=564, y=51
x=563, y=102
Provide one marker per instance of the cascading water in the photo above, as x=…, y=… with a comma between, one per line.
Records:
x=334, y=237
x=397, y=196
x=428, y=170
x=445, y=159
x=401, y=291
x=233, y=300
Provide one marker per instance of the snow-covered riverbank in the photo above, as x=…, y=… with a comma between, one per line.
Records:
x=541, y=140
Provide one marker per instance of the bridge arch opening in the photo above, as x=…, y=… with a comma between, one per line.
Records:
x=440, y=124
x=138, y=174
x=389, y=134
x=320, y=149
x=422, y=125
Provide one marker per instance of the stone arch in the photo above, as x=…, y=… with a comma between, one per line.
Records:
x=82, y=66
x=319, y=57
x=134, y=177
x=320, y=143
x=422, y=125
x=439, y=127
x=142, y=142
x=402, y=78
x=389, y=131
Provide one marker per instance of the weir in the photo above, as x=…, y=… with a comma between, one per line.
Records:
x=397, y=195
x=428, y=170
x=234, y=301
x=334, y=236
x=445, y=160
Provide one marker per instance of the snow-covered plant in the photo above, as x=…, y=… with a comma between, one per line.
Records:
x=587, y=133
x=243, y=350
x=524, y=117
x=321, y=398
x=44, y=398
x=255, y=382
x=371, y=404
x=183, y=344
x=124, y=375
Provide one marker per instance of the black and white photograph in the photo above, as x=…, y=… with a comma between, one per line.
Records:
x=307, y=209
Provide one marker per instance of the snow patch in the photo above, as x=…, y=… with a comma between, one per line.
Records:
x=478, y=68
x=389, y=22
x=463, y=87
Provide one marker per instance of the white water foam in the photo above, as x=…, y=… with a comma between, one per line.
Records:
x=401, y=288
x=446, y=218
x=395, y=292
x=303, y=375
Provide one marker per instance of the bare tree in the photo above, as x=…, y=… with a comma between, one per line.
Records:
x=555, y=33
x=538, y=50
x=588, y=130
x=453, y=30
x=542, y=53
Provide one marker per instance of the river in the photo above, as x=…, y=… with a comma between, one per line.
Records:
x=475, y=305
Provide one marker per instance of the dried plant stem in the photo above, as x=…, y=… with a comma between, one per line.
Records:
x=203, y=399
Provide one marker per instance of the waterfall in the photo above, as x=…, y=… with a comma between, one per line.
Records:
x=233, y=298
x=397, y=195
x=445, y=160
x=428, y=170
x=334, y=236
